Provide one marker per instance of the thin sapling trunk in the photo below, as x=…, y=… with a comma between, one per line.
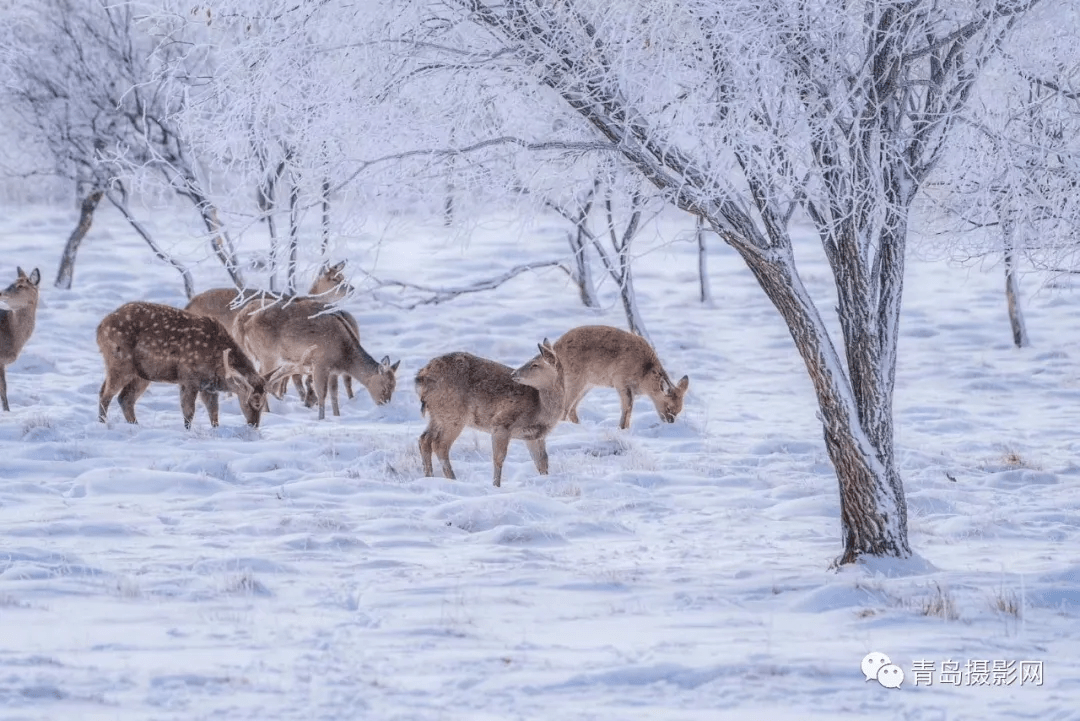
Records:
x=66, y=273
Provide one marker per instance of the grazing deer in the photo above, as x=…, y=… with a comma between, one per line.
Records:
x=599, y=355
x=460, y=389
x=284, y=333
x=18, y=306
x=148, y=342
x=222, y=304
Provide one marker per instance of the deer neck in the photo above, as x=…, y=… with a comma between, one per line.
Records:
x=362, y=365
x=17, y=325
x=552, y=397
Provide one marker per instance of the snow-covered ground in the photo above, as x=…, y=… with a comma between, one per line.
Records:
x=307, y=570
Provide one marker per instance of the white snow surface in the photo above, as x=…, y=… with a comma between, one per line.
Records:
x=307, y=569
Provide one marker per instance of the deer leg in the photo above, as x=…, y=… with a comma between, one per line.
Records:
x=538, y=451
x=348, y=386
x=210, y=400
x=188, y=394
x=442, y=442
x=103, y=401
x=321, y=381
x=425, y=450
x=500, y=441
x=129, y=394
x=114, y=382
x=298, y=381
x=626, y=395
x=3, y=388
x=309, y=393
x=333, y=395
x=575, y=391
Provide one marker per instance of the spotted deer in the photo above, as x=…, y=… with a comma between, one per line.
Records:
x=599, y=355
x=147, y=342
x=222, y=304
x=18, y=308
x=278, y=333
x=459, y=389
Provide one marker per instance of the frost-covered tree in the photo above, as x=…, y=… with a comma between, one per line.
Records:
x=271, y=117
x=750, y=115
x=86, y=81
x=745, y=112
x=313, y=100
x=606, y=219
x=1010, y=186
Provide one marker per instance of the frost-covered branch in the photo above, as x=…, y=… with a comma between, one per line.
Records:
x=434, y=295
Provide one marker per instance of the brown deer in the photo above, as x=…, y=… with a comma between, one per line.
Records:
x=222, y=304
x=147, y=342
x=278, y=333
x=18, y=307
x=460, y=389
x=599, y=355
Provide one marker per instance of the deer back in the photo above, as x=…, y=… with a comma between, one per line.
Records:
x=162, y=343
x=597, y=355
x=221, y=304
x=461, y=388
x=285, y=330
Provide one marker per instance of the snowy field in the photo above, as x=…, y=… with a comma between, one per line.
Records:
x=307, y=570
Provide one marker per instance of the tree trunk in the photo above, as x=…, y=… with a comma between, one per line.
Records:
x=624, y=276
x=271, y=227
x=325, y=215
x=86, y=216
x=294, y=233
x=185, y=274
x=267, y=197
x=448, y=200
x=873, y=511
x=578, y=246
x=703, y=264
x=1012, y=283
x=583, y=269
x=630, y=307
x=220, y=242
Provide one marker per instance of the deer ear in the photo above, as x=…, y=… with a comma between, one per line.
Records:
x=684, y=383
x=665, y=386
x=229, y=370
x=395, y=366
x=35, y=276
x=338, y=267
x=20, y=271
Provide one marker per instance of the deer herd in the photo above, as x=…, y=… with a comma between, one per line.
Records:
x=251, y=343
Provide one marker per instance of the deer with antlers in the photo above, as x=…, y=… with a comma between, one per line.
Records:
x=286, y=332
x=222, y=304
